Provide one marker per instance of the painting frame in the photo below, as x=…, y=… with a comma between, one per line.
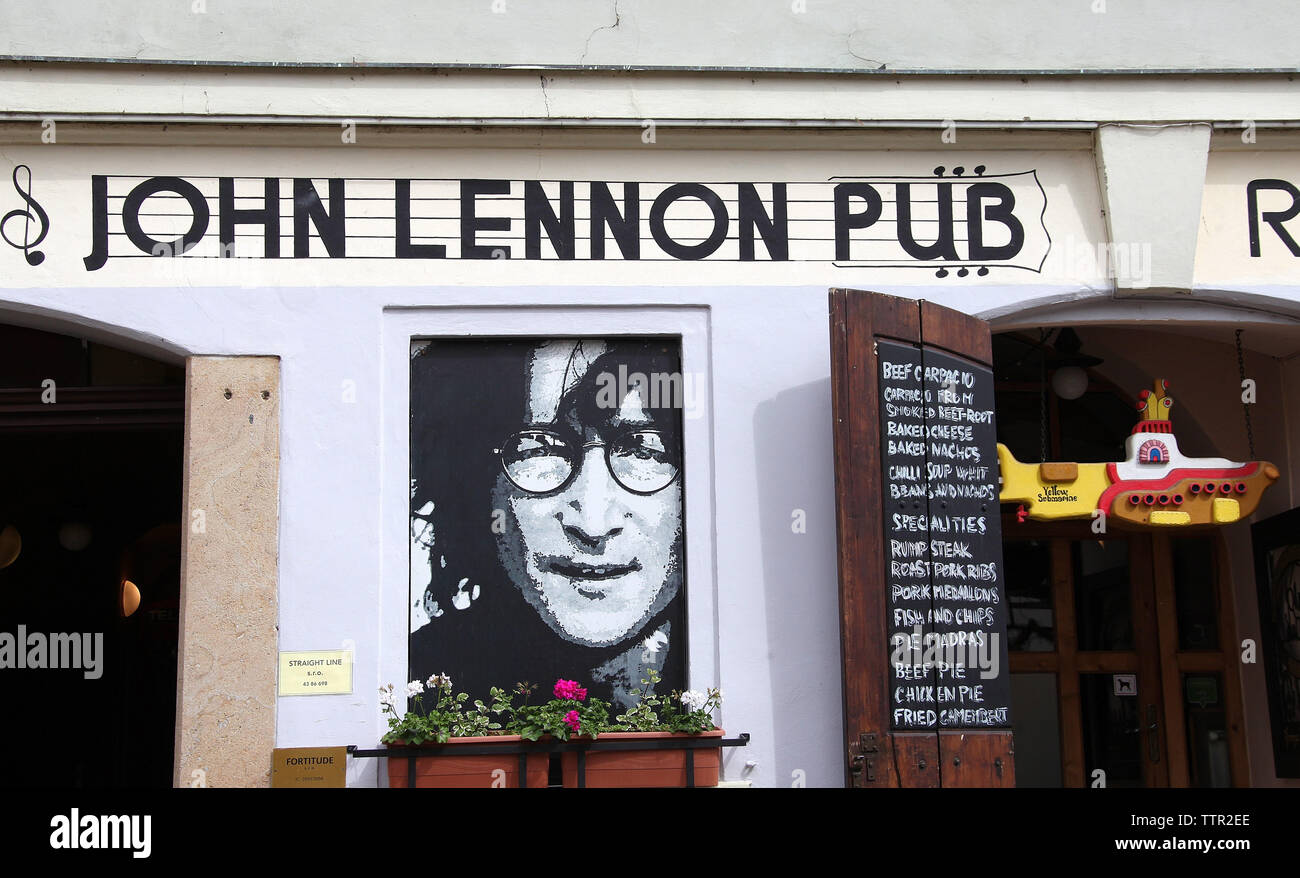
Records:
x=671, y=619
x=1276, y=546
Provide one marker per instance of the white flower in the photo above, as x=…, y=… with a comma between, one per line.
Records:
x=651, y=645
x=387, y=697
x=693, y=699
x=414, y=688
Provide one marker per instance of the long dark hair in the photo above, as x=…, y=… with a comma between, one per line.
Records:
x=471, y=395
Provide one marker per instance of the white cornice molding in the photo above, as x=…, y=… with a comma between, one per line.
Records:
x=516, y=97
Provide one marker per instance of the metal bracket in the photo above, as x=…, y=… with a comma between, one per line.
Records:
x=548, y=745
x=862, y=759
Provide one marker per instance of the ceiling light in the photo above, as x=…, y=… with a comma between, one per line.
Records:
x=11, y=544
x=1070, y=382
x=74, y=536
x=129, y=598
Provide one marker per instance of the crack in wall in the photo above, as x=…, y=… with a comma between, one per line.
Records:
x=618, y=19
x=848, y=47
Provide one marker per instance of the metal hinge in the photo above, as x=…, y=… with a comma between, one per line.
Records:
x=862, y=759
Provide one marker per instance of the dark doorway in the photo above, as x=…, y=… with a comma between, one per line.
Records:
x=1123, y=669
x=90, y=486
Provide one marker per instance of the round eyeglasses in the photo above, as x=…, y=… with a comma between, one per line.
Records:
x=542, y=461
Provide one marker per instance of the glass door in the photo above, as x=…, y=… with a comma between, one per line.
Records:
x=1120, y=659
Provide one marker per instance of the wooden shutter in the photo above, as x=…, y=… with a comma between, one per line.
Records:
x=951, y=526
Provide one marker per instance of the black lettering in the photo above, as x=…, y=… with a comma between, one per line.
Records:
x=471, y=224
x=1274, y=218
x=538, y=213
x=943, y=246
x=404, y=248
x=1002, y=212
x=187, y=190
x=267, y=216
x=845, y=220
x=308, y=211
x=625, y=226
x=774, y=229
x=660, y=231
x=99, y=223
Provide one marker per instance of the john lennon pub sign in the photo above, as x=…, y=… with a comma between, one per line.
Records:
x=951, y=219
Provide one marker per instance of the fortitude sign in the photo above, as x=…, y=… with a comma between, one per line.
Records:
x=309, y=767
x=943, y=535
x=944, y=220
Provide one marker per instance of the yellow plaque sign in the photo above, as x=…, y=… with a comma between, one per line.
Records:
x=309, y=767
x=319, y=672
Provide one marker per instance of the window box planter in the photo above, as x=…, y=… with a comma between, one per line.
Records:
x=448, y=768
x=644, y=767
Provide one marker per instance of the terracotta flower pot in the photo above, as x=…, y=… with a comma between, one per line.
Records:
x=645, y=768
x=449, y=770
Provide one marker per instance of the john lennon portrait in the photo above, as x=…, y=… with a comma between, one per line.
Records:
x=547, y=535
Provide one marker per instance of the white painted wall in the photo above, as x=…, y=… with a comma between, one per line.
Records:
x=839, y=34
x=1152, y=178
x=1223, y=257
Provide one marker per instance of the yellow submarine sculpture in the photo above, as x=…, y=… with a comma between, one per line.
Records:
x=1155, y=486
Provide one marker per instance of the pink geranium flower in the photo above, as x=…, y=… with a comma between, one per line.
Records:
x=571, y=720
x=569, y=690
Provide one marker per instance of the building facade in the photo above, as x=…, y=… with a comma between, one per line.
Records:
x=384, y=251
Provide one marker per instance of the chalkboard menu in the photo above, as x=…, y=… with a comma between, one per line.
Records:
x=943, y=540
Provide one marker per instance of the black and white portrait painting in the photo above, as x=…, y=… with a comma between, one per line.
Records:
x=547, y=536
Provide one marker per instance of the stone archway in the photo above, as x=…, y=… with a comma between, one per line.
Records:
x=225, y=723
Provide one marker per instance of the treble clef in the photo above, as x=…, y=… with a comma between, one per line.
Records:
x=34, y=257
